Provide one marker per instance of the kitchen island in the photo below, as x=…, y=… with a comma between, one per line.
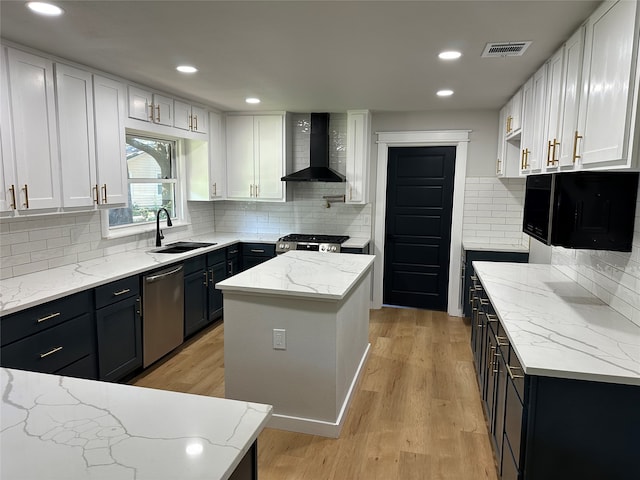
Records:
x=57, y=427
x=296, y=337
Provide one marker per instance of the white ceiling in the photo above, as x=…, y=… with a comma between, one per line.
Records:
x=304, y=56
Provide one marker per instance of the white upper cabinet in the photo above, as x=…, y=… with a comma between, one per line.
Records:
x=189, y=117
x=33, y=131
x=533, y=123
x=150, y=107
x=256, y=157
x=76, y=133
x=357, y=161
x=512, y=122
x=110, y=103
x=554, y=98
x=7, y=174
x=206, y=167
x=573, y=53
x=609, y=86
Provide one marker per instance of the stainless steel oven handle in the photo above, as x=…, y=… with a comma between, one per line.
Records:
x=155, y=278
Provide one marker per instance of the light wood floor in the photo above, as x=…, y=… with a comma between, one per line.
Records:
x=416, y=413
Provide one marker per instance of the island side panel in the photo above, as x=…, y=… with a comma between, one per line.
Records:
x=299, y=381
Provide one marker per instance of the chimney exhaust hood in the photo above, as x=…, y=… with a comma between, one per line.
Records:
x=319, y=170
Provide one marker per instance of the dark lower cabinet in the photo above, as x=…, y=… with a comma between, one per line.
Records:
x=233, y=260
x=363, y=250
x=119, y=328
x=247, y=469
x=256, y=253
x=56, y=337
x=549, y=428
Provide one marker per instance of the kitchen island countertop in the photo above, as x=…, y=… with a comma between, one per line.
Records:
x=66, y=428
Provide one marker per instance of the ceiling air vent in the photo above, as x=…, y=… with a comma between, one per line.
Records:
x=505, y=49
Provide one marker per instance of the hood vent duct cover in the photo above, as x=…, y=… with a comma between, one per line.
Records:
x=318, y=170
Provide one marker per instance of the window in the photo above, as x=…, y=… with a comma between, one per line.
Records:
x=151, y=170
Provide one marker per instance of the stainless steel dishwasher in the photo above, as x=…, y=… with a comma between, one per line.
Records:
x=162, y=313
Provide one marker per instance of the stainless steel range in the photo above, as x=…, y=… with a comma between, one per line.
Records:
x=312, y=243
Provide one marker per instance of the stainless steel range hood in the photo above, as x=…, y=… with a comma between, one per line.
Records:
x=318, y=170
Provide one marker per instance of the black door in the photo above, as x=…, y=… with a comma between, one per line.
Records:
x=418, y=226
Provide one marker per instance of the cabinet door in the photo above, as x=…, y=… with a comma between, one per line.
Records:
x=573, y=52
x=554, y=98
x=533, y=126
x=607, y=86
x=199, y=120
x=109, y=105
x=119, y=339
x=196, y=290
x=162, y=110
x=76, y=133
x=269, y=157
x=217, y=273
x=140, y=103
x=182, y=115
x=527, y=124
x=217, y=164
x=357, y=161
x=502, y=130
x=240, y=174
x=31, y=94
x=7, y=173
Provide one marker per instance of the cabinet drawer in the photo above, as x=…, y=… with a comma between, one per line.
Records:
x=217, y=256
x=116, y=291
x=195, y=264
x=233, y=251
x=52, y=349
x=518, y=374
x=84, y=368
x=259, y=249
x=22, y=324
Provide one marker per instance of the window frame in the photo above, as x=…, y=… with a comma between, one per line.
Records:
x=181, y=215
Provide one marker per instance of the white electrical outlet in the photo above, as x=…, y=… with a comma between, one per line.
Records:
x=279, y=339
x=366, y=220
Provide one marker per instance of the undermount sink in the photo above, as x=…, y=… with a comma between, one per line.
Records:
x=181, y=247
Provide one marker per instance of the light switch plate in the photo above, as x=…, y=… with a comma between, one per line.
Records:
x=279, y=339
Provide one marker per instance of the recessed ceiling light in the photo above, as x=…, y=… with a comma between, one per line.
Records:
x=186, y=69
x=252, y=100
x=449, y=55
x=444, y=93
x=45, y=8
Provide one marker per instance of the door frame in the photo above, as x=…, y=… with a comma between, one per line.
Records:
x=432, y=138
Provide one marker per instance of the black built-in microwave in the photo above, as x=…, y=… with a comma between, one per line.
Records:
x=587, y=210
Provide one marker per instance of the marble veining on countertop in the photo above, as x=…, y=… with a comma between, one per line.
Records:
x=66, y=428
x=321, y=276
x=557, y=327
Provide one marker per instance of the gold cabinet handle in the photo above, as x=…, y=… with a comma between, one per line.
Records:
x=104, y=193
x=576, y=137
x=48, y=317
x=257, y=190
x=502, y=341
x=257, y=250
x=491, y=318
x=121, y=292
x=251, y=190
x=196, y=122
x=556, y=144
x=25, y=189
x=498, y=166
x=215, y=189
x=212, y=279
x=471, y=298
x=510, y=372
x=12, y=189
x=484, y=301
x=549, y=145
x=509, y=118
x=151, y=112
x=50, y=352
x=190, y=122
x=206, y=279
x=524, y=164
x=158, y=110
x=96, y=195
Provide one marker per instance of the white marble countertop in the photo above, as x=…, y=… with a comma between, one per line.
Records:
x=559, y=329
x=315, y=275
x=495, y=247
x=25, y=291
x=59, y=428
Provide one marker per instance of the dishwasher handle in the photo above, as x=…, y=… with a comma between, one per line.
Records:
x=160, y=276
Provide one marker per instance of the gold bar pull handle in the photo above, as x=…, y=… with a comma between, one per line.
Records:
x=196, y=122
x=470, y=295
x=576, y=137
x=502, y=341
x=498, y=167
x=510, y=370
x=104, y=193
x=50, y=352
x=190, y=122
x=549, y=146
x=25, y=189
x=48, y=317
x=158, y=110
x=12, y=189
x=121, y=292
x=251, y=190
x=96, y=195
x=491, y=318
x=257, y=190
x=215, y=190
x=556, y=144
x=151, y=112
x=206, y=279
